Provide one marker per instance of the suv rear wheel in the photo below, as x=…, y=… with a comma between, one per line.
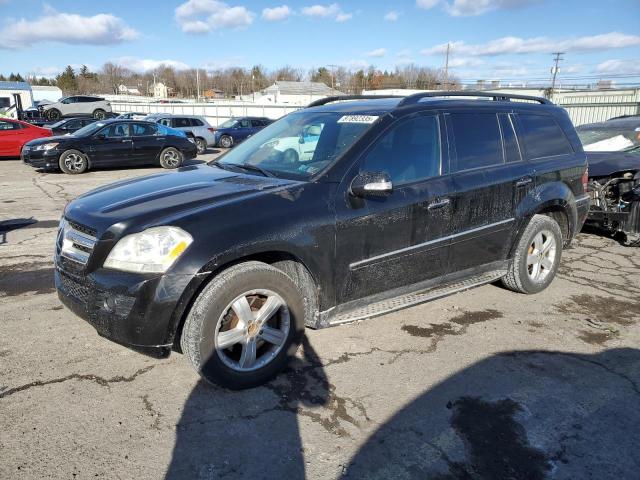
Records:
x=201, y=143
x=537, y=256
x=245, y=326
x=53, y=114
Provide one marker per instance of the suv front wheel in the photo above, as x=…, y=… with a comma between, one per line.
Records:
x=537, y=256
x=245, y=326
x=99, y=114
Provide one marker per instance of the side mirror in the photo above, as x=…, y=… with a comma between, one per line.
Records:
x=371, y=184
x=301, y=138
x=101, y=136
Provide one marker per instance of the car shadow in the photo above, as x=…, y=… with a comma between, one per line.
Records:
x=516, y=415
x=601, y=232
x=251, y=433
x=10, y=225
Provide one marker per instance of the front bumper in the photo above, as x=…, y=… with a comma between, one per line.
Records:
x=135, y=310
x=46, y=159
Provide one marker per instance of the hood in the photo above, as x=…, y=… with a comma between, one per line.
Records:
x=603, y=164
x=42, y=141
x=164, y=197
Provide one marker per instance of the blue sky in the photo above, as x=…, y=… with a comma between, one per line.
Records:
x=490, y=39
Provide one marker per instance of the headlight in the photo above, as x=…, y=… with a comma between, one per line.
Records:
x=46, y=146
x=151, y=251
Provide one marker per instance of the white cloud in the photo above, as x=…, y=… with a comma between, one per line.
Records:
x=427, y=4
x=327, y=11
x=202, y=16
x=142, y=65
x=619, y=67
x=356, y=64
x=463, y=8
x=464, y=62
x=323, y=11
x=391, y=16
x=52, y=26
x=516, y=45
x=276, y=14
x=377, y=53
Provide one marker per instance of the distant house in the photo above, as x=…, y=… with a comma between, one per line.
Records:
x=160, y=90
x=128, y=90
x=295, y=93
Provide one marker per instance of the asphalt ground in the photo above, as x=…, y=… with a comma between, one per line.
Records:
x=486, y=384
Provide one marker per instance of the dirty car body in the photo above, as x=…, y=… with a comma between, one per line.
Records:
x=613, y=152
x=363, y=221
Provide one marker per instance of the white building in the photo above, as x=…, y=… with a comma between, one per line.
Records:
x=160, y=90
x=295, y=93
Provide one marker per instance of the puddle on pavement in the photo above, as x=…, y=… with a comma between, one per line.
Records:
x=464, y=320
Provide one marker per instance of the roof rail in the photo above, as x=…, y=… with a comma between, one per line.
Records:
x=415, y=98
x=338, y=98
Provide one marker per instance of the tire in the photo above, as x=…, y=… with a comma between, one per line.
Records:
x=290, y=156
x=212, y=317
x=201, y=143
x=73, y=162
x=171, y=158
x=53, y=114
x=226, y=141
x=99, y=114
x=535, y=262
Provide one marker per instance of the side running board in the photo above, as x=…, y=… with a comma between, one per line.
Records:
x=397, y=303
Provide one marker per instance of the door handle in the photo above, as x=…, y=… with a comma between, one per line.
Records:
x=442, y=202
x=524, y=181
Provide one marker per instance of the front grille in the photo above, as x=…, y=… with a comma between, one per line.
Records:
x=74, y=245
x=74, y=288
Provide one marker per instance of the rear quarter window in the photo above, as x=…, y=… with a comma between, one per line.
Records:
x=542, y=136
x=477, y=140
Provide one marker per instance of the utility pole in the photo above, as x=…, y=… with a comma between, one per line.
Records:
x=332, y=67
x=554, y=69
x=198, y=83
x=446, y=67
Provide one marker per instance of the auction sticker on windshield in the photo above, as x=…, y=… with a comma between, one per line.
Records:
x=358, y=119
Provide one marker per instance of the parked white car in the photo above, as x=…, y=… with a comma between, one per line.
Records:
x=76, y=106
x=204, y=133
x=300, y=148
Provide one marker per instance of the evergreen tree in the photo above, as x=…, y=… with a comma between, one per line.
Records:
x=67, y=81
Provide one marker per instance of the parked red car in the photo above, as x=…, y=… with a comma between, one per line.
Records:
x=14, y=134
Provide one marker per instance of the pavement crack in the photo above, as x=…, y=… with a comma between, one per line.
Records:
x=103, y=382
x=155, y=414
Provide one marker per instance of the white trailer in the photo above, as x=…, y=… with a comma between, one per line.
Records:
x=15, y=96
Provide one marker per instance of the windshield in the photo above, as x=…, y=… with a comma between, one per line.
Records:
x=229, y=123
x=300, y=144
x=57, y=124
x=89, y=129
x=609, y=139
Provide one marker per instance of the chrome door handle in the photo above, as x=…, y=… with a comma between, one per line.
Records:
x=443, y=202
x=524, y=181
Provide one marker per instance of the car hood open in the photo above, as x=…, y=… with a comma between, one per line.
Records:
x=164, y=197
x=602, y=164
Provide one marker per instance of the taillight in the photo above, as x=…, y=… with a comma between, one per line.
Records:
x=211, y=129
x=585, y=179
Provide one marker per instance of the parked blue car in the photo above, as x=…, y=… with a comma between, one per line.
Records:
x=238, y=129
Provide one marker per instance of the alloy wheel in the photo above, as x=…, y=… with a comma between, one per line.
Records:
x=541, y=256
x=171, y=158
x=252, y=330
x=74, y=162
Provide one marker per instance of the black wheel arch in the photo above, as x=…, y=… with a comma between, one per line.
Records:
x=279, y=259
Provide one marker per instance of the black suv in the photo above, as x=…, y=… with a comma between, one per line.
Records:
x=394, y=202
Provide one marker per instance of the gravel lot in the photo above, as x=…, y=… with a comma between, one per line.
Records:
x=486, y=384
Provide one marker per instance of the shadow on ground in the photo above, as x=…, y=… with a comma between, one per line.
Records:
x=252, y=433
x=518, y=415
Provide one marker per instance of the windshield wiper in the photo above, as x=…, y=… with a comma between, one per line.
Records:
x=216, y=163
x=254, y=168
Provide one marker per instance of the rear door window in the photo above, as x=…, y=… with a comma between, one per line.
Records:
x=408, y=152
x=477, y=140
x=181, y=122
x=9, y=126
x=143, y=129
x=542, y=136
